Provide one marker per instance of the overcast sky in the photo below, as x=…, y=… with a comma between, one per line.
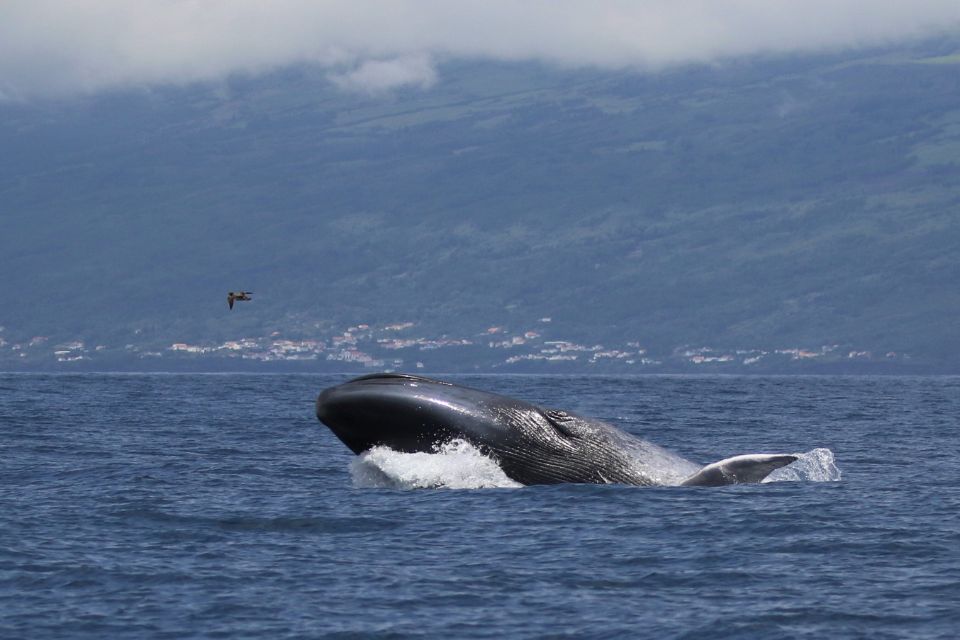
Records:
x=55, y=47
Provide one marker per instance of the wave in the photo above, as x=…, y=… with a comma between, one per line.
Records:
x=459, y=465
x=455, y=465
x=816, y=465
x=252, y=522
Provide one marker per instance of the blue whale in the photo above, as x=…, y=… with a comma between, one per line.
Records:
x=532, y=445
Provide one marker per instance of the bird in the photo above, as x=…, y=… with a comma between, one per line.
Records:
x=240, y=295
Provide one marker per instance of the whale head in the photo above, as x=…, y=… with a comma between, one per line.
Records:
x=408, y=413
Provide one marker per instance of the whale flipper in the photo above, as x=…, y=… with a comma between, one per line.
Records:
x=752, y=467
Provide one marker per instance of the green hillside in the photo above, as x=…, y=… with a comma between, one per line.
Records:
x=798, y=201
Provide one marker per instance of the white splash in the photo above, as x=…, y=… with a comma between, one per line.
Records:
x=817, y=465
x=459, y=465
x=455, y=465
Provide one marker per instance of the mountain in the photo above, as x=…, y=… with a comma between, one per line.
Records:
x=795, y=201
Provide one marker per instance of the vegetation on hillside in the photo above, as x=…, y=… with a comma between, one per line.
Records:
x=790, y=201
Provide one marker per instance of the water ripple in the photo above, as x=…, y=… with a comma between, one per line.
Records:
x=147, y=506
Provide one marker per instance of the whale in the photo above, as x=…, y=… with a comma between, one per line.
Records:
x=533, y=445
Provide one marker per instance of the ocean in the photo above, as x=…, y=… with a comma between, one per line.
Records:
x=190, y=505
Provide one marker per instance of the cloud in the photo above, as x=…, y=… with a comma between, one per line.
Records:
x=50, y=47
x=376, y=76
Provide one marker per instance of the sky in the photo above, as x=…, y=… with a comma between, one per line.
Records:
x=63, y=47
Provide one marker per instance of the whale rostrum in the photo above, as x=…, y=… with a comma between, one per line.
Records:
x=531, y=444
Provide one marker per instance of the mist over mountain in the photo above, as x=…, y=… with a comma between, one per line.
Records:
x=51, y=48
x=781, y=201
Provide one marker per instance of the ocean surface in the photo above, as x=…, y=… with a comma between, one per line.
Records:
x=178, y=506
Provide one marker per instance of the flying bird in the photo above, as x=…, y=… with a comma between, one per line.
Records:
x=240, y=295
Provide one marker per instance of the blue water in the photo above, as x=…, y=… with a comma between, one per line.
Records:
x=148, y=506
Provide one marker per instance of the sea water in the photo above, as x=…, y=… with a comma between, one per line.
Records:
x=176, y=506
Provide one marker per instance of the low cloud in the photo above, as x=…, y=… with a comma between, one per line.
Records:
x=52, y=47
x=377, y=76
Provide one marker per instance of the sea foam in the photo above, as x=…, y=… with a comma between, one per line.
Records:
x=816, y=465
x=455, y=465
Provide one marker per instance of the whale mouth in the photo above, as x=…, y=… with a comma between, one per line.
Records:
x=388, y=409
x=343, y=399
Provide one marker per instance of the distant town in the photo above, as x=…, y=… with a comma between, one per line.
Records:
x=399, y=347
